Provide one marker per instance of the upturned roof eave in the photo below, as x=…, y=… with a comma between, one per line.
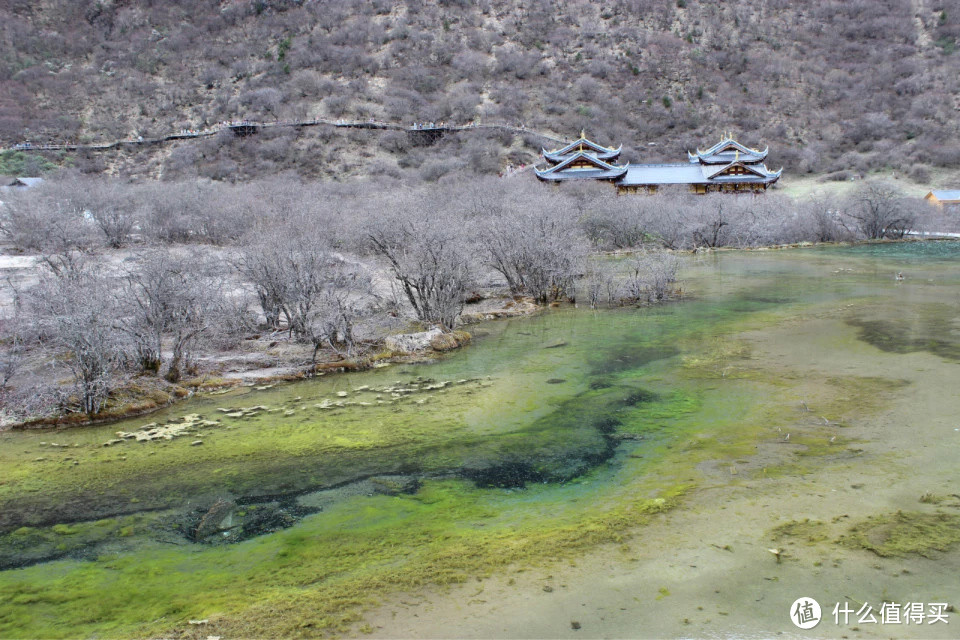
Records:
x=599, y=148
x=589, y=158
x=556, y=156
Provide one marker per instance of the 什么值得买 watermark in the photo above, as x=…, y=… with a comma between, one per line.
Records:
x=805, y=613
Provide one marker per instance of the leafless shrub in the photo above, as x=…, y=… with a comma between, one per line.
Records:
x=167, y=298
x=344, y=298
x=428, y=258
x=190, y=212
x=266, y=100
x=651, y=275
x=49, y=218
x=613, y=222
x=299, y=279
x=600, y=283
x=73, y=314
x=821, y=221
x=879, y=210
x=13, y=334
x=113, y=207
x=667, y=218
x=539, y=253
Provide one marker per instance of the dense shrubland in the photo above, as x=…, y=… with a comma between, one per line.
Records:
x=149, y=279
x=835, y=87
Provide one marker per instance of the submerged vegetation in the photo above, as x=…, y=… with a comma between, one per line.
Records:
x=902, y=533
x=288, y=510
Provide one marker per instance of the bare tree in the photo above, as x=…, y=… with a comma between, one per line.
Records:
x=667, y=218
x=50, y=219
x=288, y=261
x=112, y=206
x=879, y=210
x=300, y=280
x=822, y=221
x=344, y=298
x=609, y=221
x=711, y=227
x=538, y=252
x=429, y=259
x=651, y=275
x=600, y=282
x=166, y=298
x=74, y=313
x=260, y=262
x=12, y=347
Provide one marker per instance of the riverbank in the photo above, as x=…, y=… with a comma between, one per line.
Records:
x=262, y=361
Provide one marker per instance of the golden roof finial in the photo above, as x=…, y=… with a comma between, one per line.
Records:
x=583, y=134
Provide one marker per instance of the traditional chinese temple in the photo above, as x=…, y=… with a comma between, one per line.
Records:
x=582, y=159
x=727, y=167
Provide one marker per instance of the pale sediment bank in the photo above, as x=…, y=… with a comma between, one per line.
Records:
x=706, y=570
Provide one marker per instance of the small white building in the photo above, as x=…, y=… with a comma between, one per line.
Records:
x=944, y=198
x=12, y=182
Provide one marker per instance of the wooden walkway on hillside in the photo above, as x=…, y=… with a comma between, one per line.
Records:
x=429, y=130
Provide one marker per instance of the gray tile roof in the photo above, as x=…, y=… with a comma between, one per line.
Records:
x=582, y=144
x=582, y=174
x=726, y=157
x=716, y=171
x=599, y=169
x=687, y=173
x=14, y=181
x=713, y=166
x=673, y=173
x=726, y=151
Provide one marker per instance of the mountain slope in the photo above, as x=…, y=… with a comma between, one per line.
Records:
x=842, y=85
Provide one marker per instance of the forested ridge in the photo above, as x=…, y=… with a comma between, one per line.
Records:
x=832, y=86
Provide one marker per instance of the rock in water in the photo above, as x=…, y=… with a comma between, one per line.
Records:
x=395, y=485
x=210, y=523
x=410, y=342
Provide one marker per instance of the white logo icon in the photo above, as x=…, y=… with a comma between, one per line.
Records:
x=805, y=613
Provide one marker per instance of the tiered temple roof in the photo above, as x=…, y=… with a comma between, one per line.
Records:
x=727, y=166
x=582, y=159
x=726, y=151
x=581, y=144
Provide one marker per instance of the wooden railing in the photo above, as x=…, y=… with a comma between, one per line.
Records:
x=249, y=126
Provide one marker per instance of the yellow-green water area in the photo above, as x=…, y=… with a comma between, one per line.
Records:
x=286, y=511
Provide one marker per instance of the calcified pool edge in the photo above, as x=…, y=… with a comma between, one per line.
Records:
x=645, y=422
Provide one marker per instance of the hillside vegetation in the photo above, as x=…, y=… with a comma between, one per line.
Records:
x=832, y=86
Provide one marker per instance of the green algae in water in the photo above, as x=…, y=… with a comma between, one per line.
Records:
x=318, y=574
x=903, y=533
x=806, y=530
x=345, y=556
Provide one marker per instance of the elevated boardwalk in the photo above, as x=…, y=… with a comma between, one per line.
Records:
x=428, y=132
